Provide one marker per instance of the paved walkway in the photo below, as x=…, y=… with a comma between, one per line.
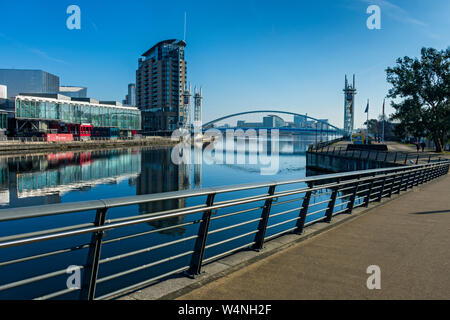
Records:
x=408, y=238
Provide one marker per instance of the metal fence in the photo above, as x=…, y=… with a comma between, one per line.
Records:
x=376, y=155
x=340, y=194
x=325, y=144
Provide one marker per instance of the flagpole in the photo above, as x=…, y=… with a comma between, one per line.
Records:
x=383, y=119
x=367, y=129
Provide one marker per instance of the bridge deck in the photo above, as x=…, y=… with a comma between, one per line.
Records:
x=408, y=238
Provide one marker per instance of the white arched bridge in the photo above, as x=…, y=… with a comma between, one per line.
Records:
x=302, y=123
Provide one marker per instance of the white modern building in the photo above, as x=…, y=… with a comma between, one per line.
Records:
x=3, y=92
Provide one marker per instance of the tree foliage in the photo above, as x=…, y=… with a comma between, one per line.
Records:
x=423, y=88
x=390, y=129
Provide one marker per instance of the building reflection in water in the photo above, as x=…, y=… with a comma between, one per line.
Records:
x=198, y=160
x=160, y=174
x=39, y=180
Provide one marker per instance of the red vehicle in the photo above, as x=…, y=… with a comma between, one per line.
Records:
x=81, y=131
x=85, y=131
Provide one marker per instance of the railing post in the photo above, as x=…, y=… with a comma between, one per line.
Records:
x=406, y=158
x=392, y=185
x=416, y=178
x=303, y=212
x=331, y=204
x=380, y=196
x=369, y=193
x=200, y=243
x=430, y=170
x=351, y=204
x=413, y=183
x=408, y=176
x=429, y=173
x=421, y=177
x=262, y=227
x=395, y=159
x=88, y=287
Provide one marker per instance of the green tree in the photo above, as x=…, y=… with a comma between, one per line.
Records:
x=423, y=86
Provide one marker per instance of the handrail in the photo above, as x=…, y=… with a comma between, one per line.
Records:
x=55, y=209
x=342, y=193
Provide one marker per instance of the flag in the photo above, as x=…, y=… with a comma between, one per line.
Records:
x=367, y=108
x=384, y=101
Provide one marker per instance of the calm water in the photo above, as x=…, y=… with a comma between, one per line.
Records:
x=78, y=176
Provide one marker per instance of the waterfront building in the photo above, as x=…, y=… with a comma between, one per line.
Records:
x=131, y=96
x=3, y=111
x=3, y=92
x=160, y=81
x=3, y=122
x=73, y=92
x=300, y=121
x=46, y=112
x=31, y=81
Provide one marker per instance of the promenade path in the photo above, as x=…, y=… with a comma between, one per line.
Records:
x=408, y=238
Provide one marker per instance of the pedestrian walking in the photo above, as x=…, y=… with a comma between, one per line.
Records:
x=417, y=146
x=423, y=146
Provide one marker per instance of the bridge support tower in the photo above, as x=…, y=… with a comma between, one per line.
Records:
x=349, y=107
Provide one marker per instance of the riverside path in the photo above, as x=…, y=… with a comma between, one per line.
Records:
x=408, y=238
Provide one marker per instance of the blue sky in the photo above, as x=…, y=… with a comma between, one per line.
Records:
x=248, y=54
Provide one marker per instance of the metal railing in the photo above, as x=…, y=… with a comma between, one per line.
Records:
x=336, y=194
x=398, y=157
x=324, y=144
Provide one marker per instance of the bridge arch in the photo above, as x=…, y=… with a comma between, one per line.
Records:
x=206, y=125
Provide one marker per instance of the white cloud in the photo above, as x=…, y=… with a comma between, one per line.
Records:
x=395, y=12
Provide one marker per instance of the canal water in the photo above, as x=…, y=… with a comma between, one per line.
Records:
x=79, y=176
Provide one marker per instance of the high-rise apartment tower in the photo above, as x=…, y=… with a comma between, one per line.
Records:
x=160, y=81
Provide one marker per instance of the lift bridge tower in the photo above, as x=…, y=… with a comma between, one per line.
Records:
x=198, y=108
x=349, y=107
x=186, y=120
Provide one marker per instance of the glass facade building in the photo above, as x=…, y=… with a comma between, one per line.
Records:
x=3, y=120
x=76, y=112
x=28, y=81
